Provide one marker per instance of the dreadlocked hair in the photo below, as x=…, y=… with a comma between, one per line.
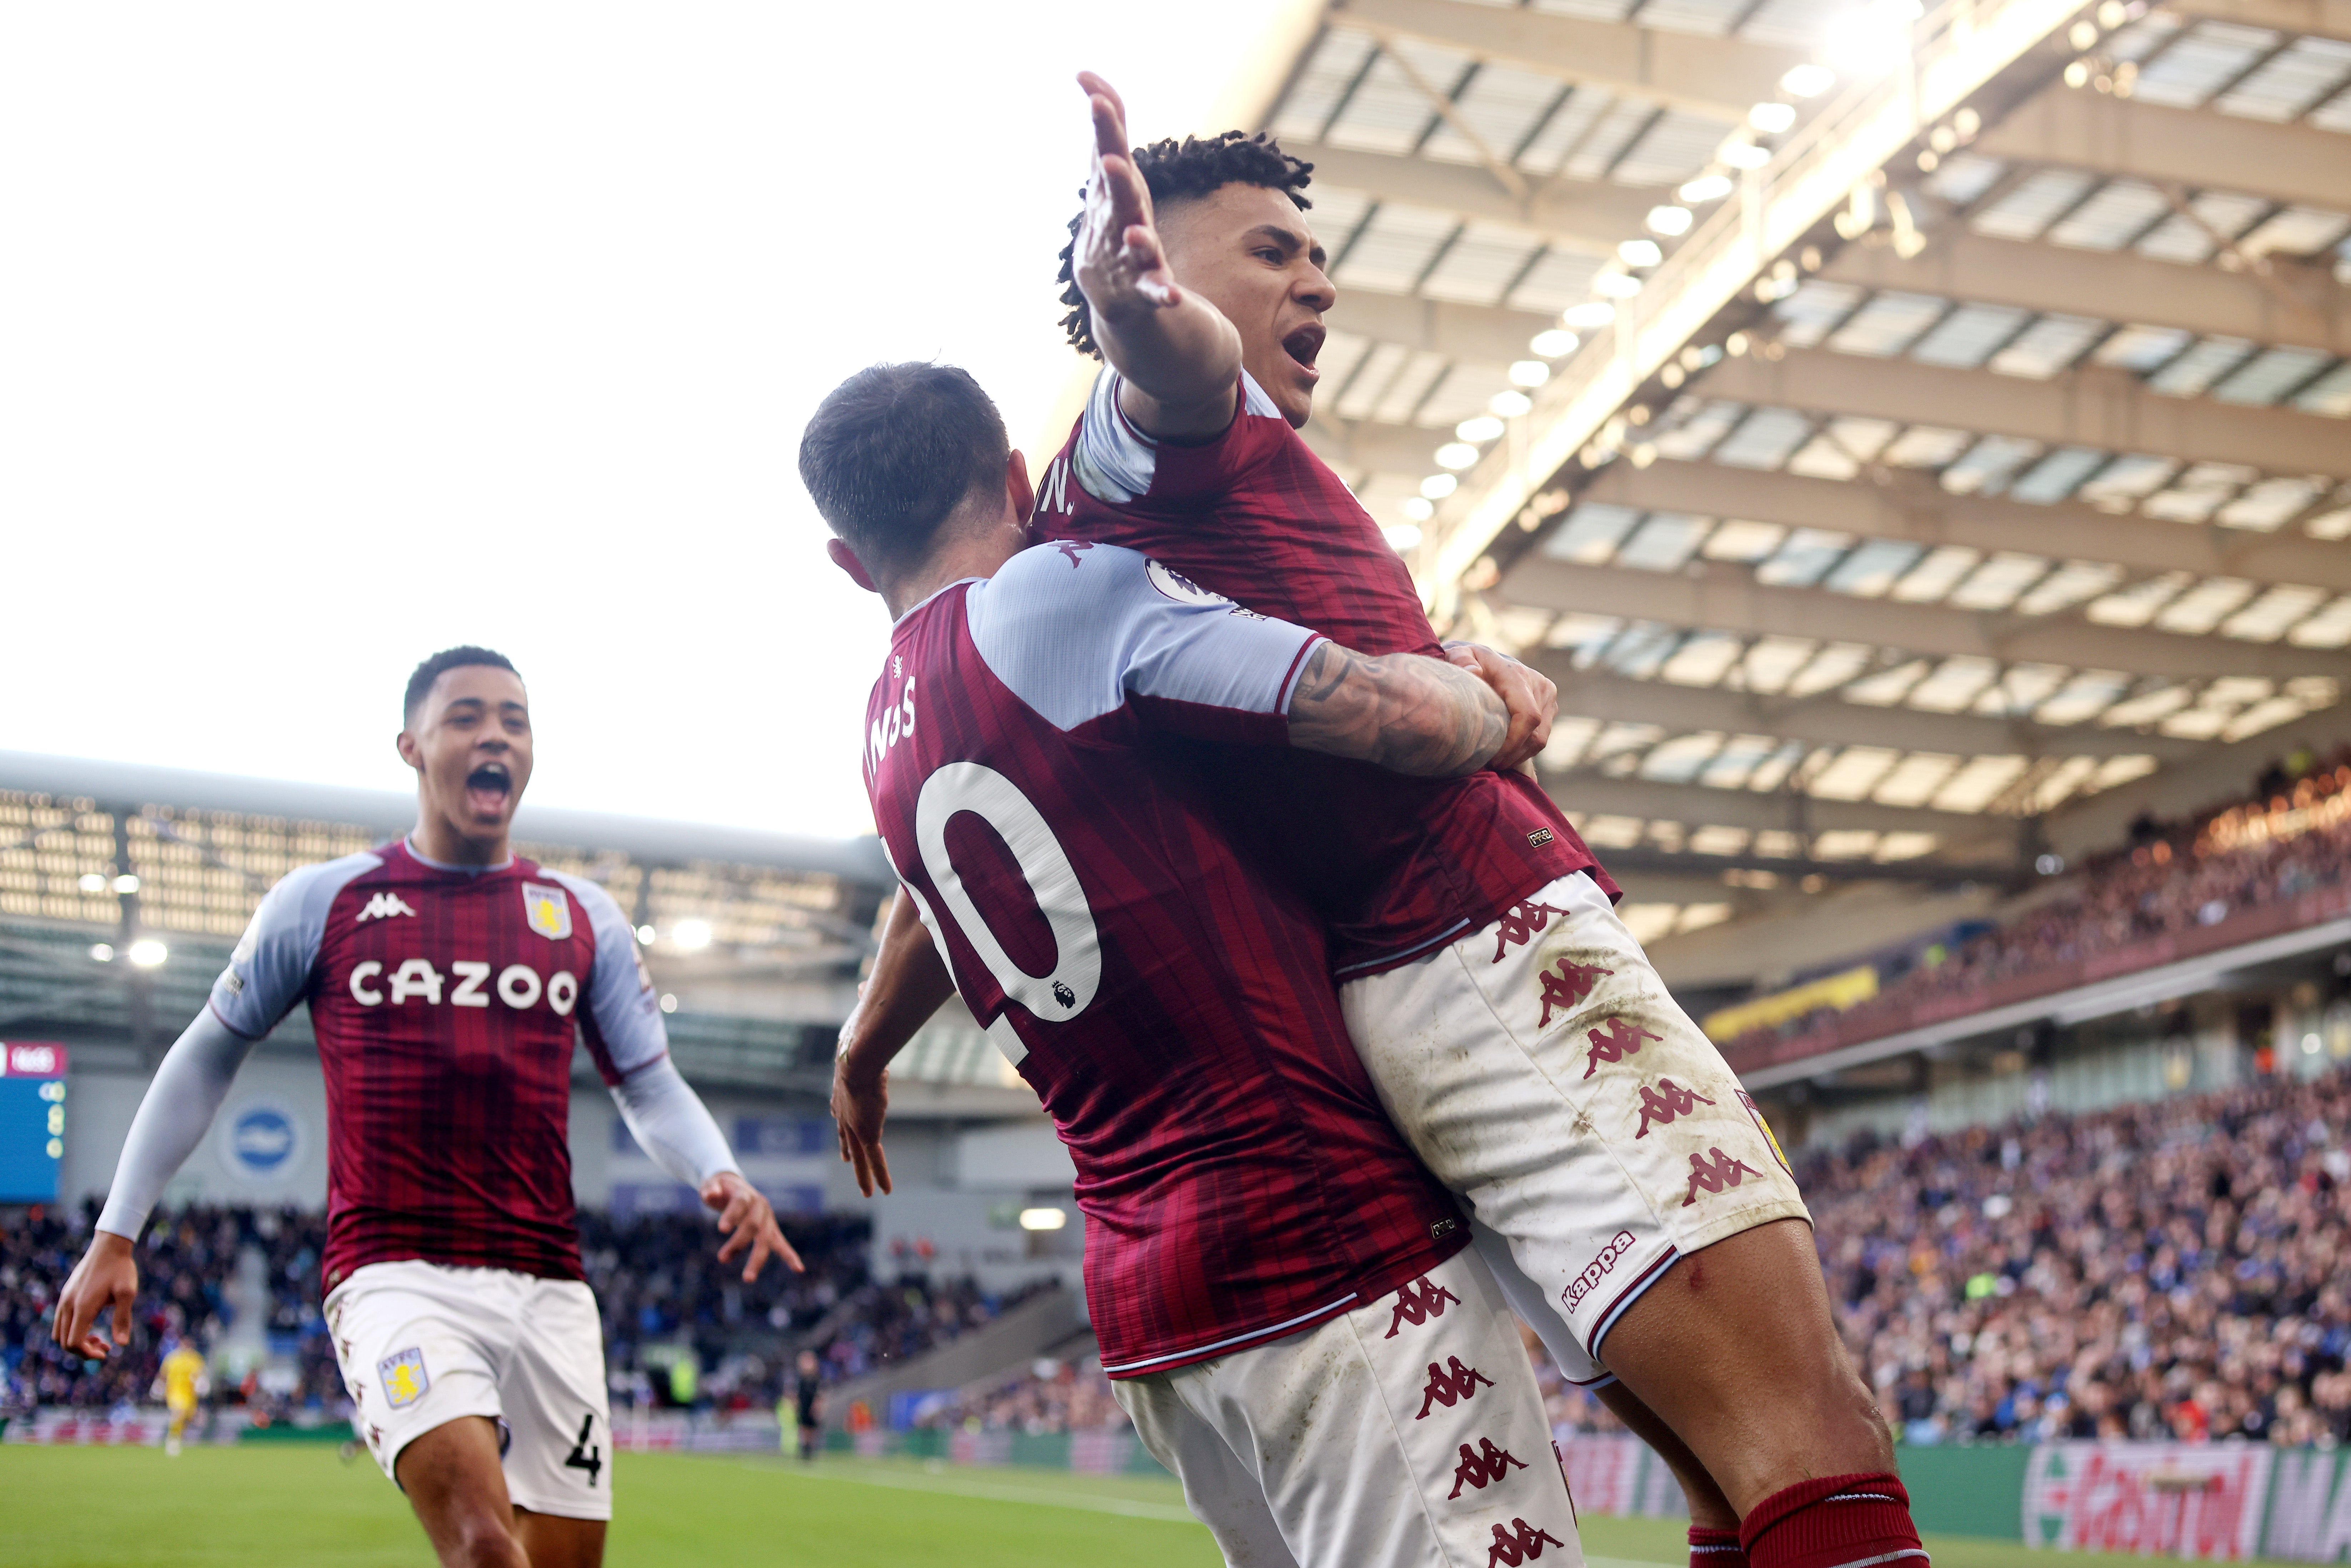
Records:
x=1172, y=171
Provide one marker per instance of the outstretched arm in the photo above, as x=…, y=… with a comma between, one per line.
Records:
x=1179, y=360
x=909, y=983
x=173, y=1119
x=670, y=1122
x=1406, y=712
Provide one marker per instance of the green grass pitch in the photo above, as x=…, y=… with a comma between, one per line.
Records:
x=128, y=1508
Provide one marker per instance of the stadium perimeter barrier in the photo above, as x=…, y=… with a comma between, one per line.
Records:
x=2200, y=1502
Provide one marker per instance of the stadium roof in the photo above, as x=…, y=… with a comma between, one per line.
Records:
x=1942, y=449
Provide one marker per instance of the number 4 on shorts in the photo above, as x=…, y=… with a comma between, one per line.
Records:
x=582, y=1457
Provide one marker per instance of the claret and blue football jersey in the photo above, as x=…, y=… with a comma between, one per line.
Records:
x=1172, y=1007
x=445, y=1001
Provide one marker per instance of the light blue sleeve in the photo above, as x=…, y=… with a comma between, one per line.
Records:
x=270, y=970
x=1075, y=630
x=620, y=996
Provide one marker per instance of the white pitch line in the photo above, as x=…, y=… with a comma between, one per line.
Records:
x=1169, y=1513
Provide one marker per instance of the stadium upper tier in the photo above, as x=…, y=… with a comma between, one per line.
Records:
x=1899, y=430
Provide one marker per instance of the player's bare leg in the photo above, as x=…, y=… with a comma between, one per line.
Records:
x=453, y=1480
x=1708, y=1508
x=1735, y=1350
x=552, y=1540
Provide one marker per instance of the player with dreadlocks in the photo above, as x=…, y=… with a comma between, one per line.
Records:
x=1626, y=1189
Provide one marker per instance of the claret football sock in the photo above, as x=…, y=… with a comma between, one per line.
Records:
x=1716, y=1549
x=1836, y=1522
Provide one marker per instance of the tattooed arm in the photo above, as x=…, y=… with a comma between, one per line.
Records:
x=1406, y=712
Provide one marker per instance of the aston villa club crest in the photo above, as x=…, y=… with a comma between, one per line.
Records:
x=1765, y=1128
x=403, y=1377
x=547, y=910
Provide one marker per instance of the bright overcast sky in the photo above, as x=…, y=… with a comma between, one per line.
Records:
x=332, y=335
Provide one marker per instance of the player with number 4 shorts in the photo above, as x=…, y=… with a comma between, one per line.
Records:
x=447, y=980
x=1284, y=1298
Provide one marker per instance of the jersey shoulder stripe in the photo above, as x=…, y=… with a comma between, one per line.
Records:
x=269, y=970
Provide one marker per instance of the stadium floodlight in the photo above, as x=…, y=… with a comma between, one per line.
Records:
x=1555, y=344
x=1617, y=285
x=1591, y=314
x=1419, y=508
x=1436, y=487
x=1528, y=374
x=645, y=935
x=1401, y=536
x=1043, y=1219
x=690, y=935
x=1807, y=80
x=1511, y=404
x=1772, y=117
x=1743, y=154
x=148, y=952
x=126, y=884
x=1485, y=427
x=1639, y=253
x=92, y=882
x=1457, y=455
x=102, y=951
x=1704, y=188
x=668, y=1003
x=1669, y=220
x=1876, y=37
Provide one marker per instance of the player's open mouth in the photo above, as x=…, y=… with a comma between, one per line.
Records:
x=1303, y=345
x=486, y=788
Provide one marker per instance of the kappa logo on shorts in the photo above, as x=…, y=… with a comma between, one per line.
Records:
x=1418, y=1310
x=1522, y=1542
x=1764, y=1128
x=1666, y=1102
x=1449, y=1383
x=1568, y=987
x=404, y=1377
x=1597, y=1269
x=1520, y=925
x=1483, y=1468
x=1621, y=1040
x=1724, y=1172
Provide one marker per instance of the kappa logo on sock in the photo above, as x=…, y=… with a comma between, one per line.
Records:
x=1482, y=1468
x=1567, y=987
x=1520, y=925
x=1621, y=1040
x=1451, y=1382
x=1724, y=1172
x=1666, y=1102
x=1522, y=1542
x=1417, y=1309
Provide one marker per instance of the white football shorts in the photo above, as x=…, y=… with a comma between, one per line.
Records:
x=1405, y=1434
x=1542, y=1069
x=422, y=1344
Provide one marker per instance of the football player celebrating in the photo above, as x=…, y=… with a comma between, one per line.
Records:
x=447, y=980
x=1283, y=1297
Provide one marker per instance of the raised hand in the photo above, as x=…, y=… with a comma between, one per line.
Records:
x=1118, y=262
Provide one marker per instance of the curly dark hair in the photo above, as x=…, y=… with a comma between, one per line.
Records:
x=1173, y=171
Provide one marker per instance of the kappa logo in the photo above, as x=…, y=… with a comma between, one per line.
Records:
x=1666, y=1102
x=404, y=1377
x=1621, y=1040
x=1569, y=988
x=1522, y=1542
x=1723, y=1171
x=1417, y=1309
x=1764, y=1128
x=547, y=909
x=1525, y=918
x=1483, y=1468
x=383, y=906
x=1597, y=1269
x=1449, y=1383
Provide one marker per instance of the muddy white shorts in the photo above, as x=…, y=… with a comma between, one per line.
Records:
x=1542, y=1071
x=423, y=1343
x=1406, y=1434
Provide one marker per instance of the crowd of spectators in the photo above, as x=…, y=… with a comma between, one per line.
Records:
x=2288, y=836
x=2179, y=1270
x=1045, y=1396
x=680, y=1328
